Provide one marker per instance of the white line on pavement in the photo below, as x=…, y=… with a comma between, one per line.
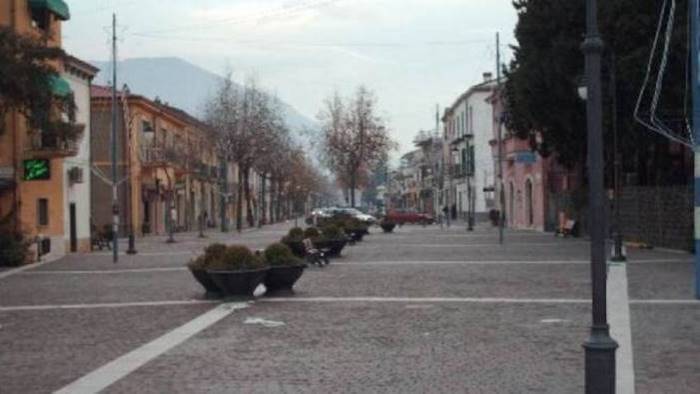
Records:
x=102, y=272
x=620, y=327
x=17, y=308
x=666, y=302
x=432, y=299
x=460, y=262
x=111, y=372
x=188, y=252
x=23, y=268
x=479, y=245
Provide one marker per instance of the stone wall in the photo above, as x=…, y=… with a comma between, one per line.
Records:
x=659, y=216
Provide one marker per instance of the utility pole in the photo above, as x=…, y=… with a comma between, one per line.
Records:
x=617, y=256
x=499, y=137
x=695, y=72
x=599, y=347
x=115, y=200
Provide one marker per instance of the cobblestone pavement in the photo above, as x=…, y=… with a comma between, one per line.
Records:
x=418, y=310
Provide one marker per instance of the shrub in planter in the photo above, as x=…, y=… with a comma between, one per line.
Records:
x=198, y=269
x=296, y=233
x=285, y=267
x=387, y=226
x=311, y=232
x=355, y=228
x=238, y=272
x=332, y=240
x=14, y=248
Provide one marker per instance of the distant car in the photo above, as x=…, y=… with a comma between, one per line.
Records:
x=357, y=214
x=402, y=216
x=318, y=213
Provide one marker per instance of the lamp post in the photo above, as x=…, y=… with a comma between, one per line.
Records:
x=599, y=347
x=470, y=191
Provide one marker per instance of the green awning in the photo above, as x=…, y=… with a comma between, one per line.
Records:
x=59, y=86
x=58, y=7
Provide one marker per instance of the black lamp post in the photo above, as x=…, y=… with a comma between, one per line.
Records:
x=600, y=347
x=470, y=190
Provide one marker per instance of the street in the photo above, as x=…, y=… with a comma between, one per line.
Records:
x=418, y=310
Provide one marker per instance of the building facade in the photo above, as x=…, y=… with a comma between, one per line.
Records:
x=529, y=180
x=467, y=133
x=167, y=167
x=36, y=188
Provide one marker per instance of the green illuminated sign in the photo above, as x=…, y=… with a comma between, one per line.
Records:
x=39, y=169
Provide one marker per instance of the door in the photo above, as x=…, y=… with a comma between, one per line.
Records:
x=73, y=228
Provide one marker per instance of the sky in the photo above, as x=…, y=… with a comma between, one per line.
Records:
x=414, y=54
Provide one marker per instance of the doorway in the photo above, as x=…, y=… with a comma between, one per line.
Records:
x=73, y=228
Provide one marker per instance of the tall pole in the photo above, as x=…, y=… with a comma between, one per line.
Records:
x=115, y=201
x=695, y=72
x=600, y=347
x=617, y=256
x=499, y=137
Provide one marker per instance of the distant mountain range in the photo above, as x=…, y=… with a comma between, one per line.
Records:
x=180, y=84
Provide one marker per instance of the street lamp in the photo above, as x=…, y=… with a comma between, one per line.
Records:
x=599, y=347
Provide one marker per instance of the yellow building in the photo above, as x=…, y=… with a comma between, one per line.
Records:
x=33, y=169
x=165, y=157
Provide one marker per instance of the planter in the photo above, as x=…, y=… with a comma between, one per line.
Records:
x=297, y=248
x=357, y=234
x=332, y=248
x=282, y=278
x=238, y=283
x=388, y=227
x=205, y=280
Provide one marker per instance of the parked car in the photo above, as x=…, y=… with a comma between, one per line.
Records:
x=402, y=216
x=318, y=213
x=355, y=213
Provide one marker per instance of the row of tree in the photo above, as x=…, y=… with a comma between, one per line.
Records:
x=251, y=132
x=355, y=138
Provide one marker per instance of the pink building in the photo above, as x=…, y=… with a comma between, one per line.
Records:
x=529, y=180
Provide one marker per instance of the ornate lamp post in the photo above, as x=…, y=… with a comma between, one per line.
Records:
x=600, y=347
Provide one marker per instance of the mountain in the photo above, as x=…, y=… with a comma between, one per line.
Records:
x=181, y=84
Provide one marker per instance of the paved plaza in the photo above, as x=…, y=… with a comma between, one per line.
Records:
x=423, y=309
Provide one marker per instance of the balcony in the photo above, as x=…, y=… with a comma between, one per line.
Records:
x=42, y=146
x=152, y=156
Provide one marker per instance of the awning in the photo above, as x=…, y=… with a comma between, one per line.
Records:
x=59, y=86
x=58, y=7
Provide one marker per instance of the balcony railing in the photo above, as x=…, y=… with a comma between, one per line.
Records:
x=48, y=146
x=152, y=156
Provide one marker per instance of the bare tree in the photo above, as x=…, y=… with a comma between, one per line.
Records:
x=354, y=137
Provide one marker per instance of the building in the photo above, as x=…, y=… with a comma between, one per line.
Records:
x=167, y=167
x=40, y=187
x=430, y=171
x=467, y=131
x=529, y=180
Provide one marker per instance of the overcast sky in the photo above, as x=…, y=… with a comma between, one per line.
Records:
x=413, y=53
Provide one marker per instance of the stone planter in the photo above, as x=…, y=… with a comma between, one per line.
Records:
x=388, y=227
x=205, y=280
x=282, y=278
x=332, y=248
x=238, y=283
x=357, y=234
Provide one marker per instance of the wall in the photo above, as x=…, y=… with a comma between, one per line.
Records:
x=660, y=216
x=79, y=193
x=482, y=123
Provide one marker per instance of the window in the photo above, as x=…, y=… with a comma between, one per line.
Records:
x=40, y=17
x=471, y=120
x=42, y=212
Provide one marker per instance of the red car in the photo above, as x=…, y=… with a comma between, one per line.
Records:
x=401, y=216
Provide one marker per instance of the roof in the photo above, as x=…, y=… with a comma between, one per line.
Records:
x=72, y=62
x=58, y=7
x=105, y=92
x=485, y=86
